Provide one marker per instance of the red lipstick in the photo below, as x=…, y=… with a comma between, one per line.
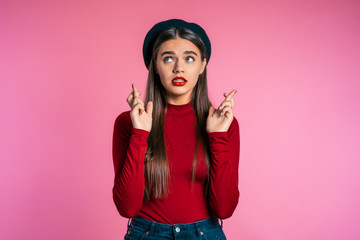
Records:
x=179, y=81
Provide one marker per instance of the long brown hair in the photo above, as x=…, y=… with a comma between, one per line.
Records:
x=156, y=164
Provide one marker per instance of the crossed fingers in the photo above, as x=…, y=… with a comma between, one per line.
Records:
x=228, y=103
x=134, y=100
x=130, y=98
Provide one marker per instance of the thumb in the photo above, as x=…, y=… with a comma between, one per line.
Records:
x=149, y=108
x=211, y=111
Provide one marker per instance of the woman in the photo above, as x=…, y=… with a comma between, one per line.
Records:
x=175, y=156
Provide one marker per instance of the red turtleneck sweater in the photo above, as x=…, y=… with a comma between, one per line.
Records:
x=186, y=202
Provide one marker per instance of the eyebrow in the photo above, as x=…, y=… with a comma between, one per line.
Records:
x=173, y=53
x=190, y=52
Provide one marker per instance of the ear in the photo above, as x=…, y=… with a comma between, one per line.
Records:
x=203, y=65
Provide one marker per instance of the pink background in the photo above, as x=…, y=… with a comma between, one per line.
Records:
x=66, y=68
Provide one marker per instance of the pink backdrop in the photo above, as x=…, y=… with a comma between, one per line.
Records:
x=66, y=68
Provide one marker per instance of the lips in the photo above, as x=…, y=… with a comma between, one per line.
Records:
x=179, y=81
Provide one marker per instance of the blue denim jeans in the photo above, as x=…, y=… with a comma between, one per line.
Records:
x=143, y=229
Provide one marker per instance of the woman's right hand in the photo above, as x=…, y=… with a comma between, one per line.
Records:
x=140, y=118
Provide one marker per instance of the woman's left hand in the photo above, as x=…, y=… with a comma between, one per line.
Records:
x=219, y=120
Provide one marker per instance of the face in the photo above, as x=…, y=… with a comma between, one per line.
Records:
x=179, y=65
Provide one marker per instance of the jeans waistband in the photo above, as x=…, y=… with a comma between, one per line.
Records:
x=155, y=227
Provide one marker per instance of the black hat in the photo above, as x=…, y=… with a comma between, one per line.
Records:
x=160, y=27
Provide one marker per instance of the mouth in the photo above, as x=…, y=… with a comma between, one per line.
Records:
x=179, y=81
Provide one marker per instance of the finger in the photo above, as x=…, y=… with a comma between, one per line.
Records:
x=226, y=110
x=229, y=97
x=135, y=91
x=211, y=111
x=230, y=94
x=149, y=108
x=139, y=108
x=130, y=99
x=137, y=100
x=226, y=103
x=138, y=105
x=136, y=95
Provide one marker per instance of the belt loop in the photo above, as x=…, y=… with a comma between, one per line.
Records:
x=221, y=223
x=197, y=229
x=151, y=228
x=129, y=222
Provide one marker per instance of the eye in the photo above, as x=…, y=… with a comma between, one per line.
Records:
x=167, y=59
x=190, y=59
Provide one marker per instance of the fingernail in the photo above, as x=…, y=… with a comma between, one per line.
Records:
x=220, y=107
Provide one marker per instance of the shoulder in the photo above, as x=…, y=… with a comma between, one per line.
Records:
x=123, y=125
x=123, y=118
x=234, y=127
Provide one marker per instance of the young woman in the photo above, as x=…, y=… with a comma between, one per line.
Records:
x=175, y=156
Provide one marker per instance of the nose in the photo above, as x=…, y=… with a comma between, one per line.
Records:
x=178, y=67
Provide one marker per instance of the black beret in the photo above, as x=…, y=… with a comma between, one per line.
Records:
x=160, y=27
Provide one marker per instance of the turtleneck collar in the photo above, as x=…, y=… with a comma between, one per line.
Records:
x=179, y=109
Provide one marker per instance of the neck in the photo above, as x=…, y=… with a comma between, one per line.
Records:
x=178, y=100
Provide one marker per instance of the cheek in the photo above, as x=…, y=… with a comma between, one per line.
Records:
x=196, y=72
x=163, y=82
x=163, y=77
x=197, y=69
x=162, y=70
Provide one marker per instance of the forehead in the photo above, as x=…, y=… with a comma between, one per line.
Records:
x=178, y=45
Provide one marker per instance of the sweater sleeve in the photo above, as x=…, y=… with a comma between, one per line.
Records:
x=225, y=152
x=129, y=146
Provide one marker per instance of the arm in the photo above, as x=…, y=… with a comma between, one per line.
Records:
x=225, y=151
x=129, y=146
